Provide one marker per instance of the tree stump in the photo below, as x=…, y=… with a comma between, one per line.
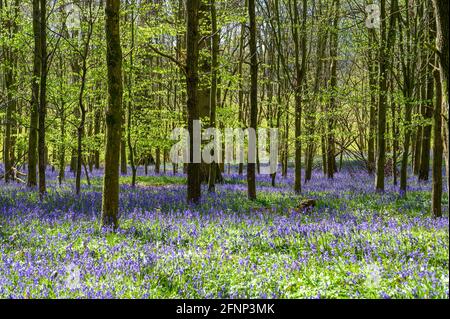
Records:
x=307, y=204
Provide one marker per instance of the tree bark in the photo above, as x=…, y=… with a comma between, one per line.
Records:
x=213, y=97
x=441, y=9
x=373, y=101
x=42, y=100
x=192, y=55
x=130, y=103
x=436, y=192
x=386, y=42
x=331, y=151
x=110, y=199
x=251, y=174
x=33, y=132
x=426, y=137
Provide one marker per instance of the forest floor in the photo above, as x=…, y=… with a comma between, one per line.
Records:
x=354, y=244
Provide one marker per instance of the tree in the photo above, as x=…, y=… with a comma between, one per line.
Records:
x=333, y=86
x=428, y=104
x=251, y=174
x=441, y=9
x=213, y=95
x=436, y=192
x=42, y=100
x=11, y=85
x=192, y=39
x=33, y=132
x=113, y=114
x=83, y=55
x=299, y=49
x=130, y=100
x=386, y=41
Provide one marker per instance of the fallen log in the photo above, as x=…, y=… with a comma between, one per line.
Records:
x=307, y=205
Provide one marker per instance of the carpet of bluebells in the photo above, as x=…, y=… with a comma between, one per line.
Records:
x=354, y=244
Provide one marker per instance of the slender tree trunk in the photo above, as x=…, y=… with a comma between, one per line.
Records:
x=408, y=97
x=241, y=84
x=331, y=160
x=381, y=142
x=300, y=68
x=436, y=192
x=441, y=9
x=130, y=102
x=320, y=53
x=251, y=176
x=373, y=101
x=213, y=102
x=10, y=81
x=110, y=200
x=395, y=143
x=192, y=79
x=426, y=138
x=80, y=128
x=386, y=41
x=96, y=133
x=42, y=100
x=33, y=132
x=62, y=151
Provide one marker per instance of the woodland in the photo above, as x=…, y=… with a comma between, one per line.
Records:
x=93, y=206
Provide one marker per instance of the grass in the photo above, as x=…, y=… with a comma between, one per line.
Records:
x=351, y=245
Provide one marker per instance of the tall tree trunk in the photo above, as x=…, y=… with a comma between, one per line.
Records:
x=110, y=199
x=331, y=151
x=130, y=103
x=192, y=55
x=42, y=100
x=320, y=53
x=80, y=128
x=441, y=8
x=251, y=176
x=426, y=137
x=436, y=192
x=408, y=86
x=373, y=101
x=10, y=81
x=386, y=41
x=300, y=68
x=241, y=84
x=96, y=132
x=62, y=150
x=213, y=102
x=395, y=133
x=381, y=143
x=33, y=132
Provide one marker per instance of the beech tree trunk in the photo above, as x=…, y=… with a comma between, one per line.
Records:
x=251, y=166
x=110, y=199
x=441, y=8
x=331, y=151
x=33, y=132
x=436, y=192
x=213, y=95
x=42, y=100
x=192, y=54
